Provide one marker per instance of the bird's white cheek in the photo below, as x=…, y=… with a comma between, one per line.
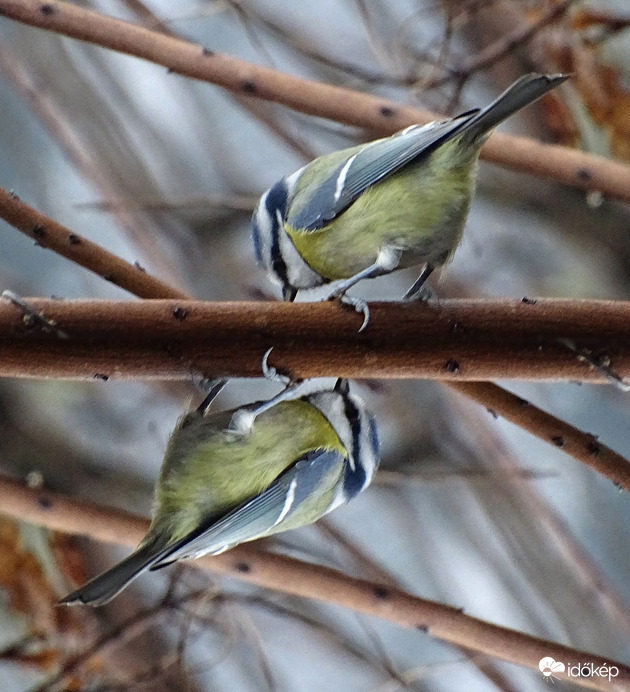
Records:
x=299, y=273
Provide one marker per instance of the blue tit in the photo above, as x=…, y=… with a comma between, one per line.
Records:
x=396, y=202
x=239, y=475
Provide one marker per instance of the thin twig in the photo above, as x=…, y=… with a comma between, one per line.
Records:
x=313, y=52
x=572, y=167
x=582, y=446
x=30, y=317
x=120, y=635
x=307, y=580
x=79, y=152
x=373, y=570
x=500, y=48
x=242, y=203
x=257, y=109
x=550, y=528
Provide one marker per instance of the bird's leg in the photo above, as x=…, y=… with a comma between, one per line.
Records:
x=292, y=388
x=387, y=260
x=358, y=304
x=244, y=418
x=418, y=291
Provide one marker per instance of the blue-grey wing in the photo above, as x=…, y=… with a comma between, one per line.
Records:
x=373, y=163
x=305, y=481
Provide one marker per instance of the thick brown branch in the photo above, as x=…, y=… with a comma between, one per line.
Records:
x=343, y=105
x=50, y=234
x=307, y=580
x=459, y=340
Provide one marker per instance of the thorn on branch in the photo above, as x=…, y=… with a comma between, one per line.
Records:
x=451, y=366
x=584, y=175
x=38, y=231
x=381, y=592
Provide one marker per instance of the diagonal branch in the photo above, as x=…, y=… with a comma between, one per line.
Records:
x=307, y=580
x=582, y=446
x=80, y=153
x=50, y=234
x=586, y=171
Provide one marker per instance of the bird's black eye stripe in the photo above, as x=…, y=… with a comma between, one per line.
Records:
x=276, y=201
x=353, y=418
x=355, y=479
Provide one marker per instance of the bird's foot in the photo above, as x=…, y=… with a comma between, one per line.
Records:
x=424, y=294
x=270, y=373
x=357, y=304
x=242, y=420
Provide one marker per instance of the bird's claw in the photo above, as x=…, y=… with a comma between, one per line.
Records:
x=211, y=387
x=358, y=305
x=270, y=373
x=424, y=295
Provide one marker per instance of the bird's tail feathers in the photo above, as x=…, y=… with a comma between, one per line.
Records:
x=526, y=90
x=103, y=588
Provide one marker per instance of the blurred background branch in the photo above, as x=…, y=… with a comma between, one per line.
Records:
x=325, y=101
